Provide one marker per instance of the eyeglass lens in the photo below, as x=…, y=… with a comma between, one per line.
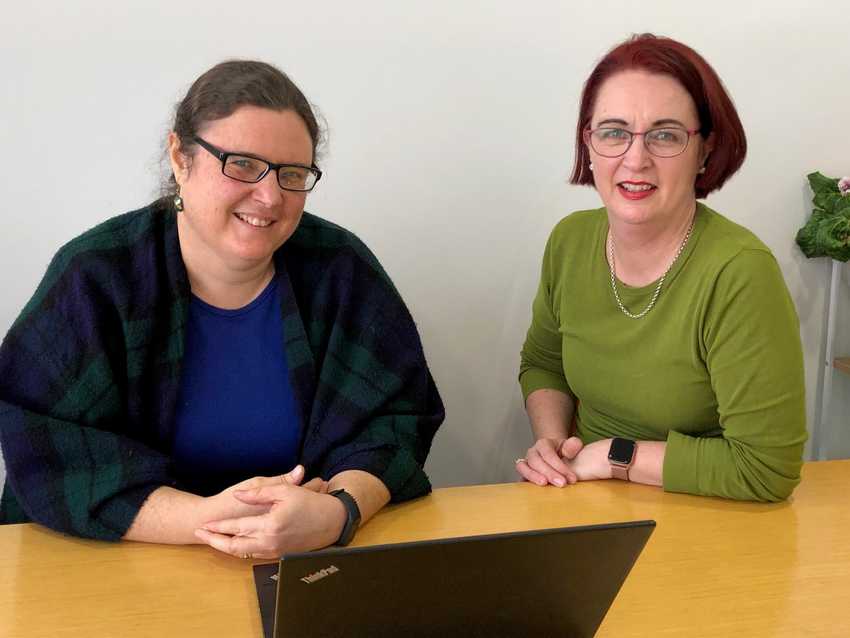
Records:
x=663, y=142
x=250, y=169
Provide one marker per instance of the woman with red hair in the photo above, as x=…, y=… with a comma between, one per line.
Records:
x=664, y=346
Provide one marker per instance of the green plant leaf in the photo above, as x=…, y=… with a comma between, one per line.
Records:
x=822, y=184
x=827, y=233
x=833, y=236
x=807, y=236
x=842, y=204
x=827, y=201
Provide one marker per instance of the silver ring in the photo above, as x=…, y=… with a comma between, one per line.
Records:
x=521, y=459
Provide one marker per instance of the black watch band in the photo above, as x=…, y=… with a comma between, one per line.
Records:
x=352, y=516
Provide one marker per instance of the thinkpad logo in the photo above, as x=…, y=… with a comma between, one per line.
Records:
x=319, y=575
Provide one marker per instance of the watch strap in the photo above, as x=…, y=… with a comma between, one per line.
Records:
x=352, y=516
x=620, y=472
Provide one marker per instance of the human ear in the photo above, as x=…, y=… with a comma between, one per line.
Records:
x=707, y=147
x=179, y=161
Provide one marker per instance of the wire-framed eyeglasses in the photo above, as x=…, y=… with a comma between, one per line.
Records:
x=250, y=169
x=661, y=142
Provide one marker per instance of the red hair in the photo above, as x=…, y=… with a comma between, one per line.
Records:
x=716, y=112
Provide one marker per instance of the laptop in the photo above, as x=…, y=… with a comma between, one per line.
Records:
x=552, y=582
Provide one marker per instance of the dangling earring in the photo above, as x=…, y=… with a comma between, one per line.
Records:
x=178, y=201
x=590, y=166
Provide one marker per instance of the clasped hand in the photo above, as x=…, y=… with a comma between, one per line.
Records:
x=275, y=515
x=563, y=462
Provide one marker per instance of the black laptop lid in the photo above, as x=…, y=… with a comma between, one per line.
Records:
x=555, y=582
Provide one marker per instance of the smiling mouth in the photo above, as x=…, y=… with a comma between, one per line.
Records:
x=257, y=222
x=633, y=187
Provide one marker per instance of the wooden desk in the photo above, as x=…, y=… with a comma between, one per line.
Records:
x=712, y=567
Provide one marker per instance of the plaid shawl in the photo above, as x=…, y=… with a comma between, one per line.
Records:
x=90, y=372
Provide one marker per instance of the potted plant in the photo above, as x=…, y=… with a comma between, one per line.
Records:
x=827, y=233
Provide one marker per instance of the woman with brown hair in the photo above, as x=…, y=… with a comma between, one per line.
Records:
x=220, y=366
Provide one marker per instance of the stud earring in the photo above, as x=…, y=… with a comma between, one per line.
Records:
x=701, y=170
x=590, y=166
x=178, y=201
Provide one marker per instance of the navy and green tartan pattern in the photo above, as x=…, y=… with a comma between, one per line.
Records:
x=90, y=372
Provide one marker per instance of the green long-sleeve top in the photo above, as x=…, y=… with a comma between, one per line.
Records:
x=715, y=369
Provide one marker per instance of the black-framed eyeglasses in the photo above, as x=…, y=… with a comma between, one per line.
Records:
x=661, y=142
x=251, y=169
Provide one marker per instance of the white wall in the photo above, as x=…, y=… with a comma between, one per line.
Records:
x=450, y=143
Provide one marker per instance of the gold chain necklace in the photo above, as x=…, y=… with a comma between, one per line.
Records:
x=612, y=269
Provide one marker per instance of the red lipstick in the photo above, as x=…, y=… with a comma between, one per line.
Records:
x=644, y=190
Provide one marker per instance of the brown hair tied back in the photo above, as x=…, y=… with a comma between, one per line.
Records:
x=232, y=84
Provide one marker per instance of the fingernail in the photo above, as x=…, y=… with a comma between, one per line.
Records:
x=559, y=482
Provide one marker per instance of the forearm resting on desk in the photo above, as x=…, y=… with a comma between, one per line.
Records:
x=550, y=413
x=171, y=516
x=559, y=459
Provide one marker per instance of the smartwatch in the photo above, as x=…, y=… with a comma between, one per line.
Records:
x=621, y=455
x=352, y=516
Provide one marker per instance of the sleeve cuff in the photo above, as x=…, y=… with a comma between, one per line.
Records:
x=680, y=462
x=539, y=379
x=117, y=514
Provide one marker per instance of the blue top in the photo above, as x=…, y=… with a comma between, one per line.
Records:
x=236, y=415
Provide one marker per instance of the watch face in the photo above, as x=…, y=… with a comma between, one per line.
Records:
x=621, y=451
